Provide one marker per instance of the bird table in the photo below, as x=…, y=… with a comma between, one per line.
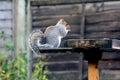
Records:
x=92, y=50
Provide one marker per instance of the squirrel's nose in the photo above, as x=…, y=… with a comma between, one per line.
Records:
x=69, y=29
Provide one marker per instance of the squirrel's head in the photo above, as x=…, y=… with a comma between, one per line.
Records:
x=62, y=22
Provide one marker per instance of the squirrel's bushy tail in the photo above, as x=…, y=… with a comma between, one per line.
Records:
x=34, y=40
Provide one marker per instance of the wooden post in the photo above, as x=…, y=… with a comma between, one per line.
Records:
x=29, y=54
x=93, y=71
x=82, y=28
x=19, y=13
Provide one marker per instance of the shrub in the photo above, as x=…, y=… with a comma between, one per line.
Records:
x=15, y=67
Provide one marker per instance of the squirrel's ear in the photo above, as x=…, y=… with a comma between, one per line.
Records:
x=61, y=19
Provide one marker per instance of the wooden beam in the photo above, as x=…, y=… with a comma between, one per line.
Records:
x=28, y=26
x=60, y=2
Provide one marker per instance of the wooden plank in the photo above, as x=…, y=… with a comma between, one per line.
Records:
x=37, y=17
x=109, y=64
x=100, y=35
x=56, y=2
x=72, y=74
x=110, y=75
x=6, y=23
x=74, y=9
x=89, y=8
x=112, y=5
x=59, y=57
x=110, y=26
x=56, y=10
x=63, y=72
x=43, y=22
x=64, y=75
x=103, y=16
x=6, y=5
x=65, y=67
x=6, y=14
x=111, y=55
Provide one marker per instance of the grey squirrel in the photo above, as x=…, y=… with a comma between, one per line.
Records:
x=51, y=38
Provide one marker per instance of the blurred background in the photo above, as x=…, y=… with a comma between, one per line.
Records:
x=93, y=20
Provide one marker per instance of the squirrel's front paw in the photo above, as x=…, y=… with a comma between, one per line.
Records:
x=46, y=46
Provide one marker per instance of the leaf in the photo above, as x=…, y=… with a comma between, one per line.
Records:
x=23, y=70
x=9, y=45
x=8, y=75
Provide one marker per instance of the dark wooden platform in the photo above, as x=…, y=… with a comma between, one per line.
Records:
x=89, y=43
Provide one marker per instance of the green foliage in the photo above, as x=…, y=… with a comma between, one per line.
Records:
x=39, y=73
x=9, y=45
x=12, y=68
x=15, y=67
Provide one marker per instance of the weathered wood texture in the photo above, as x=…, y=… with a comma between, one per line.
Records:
x=102, y=26
x=6, y=24
x=5, y=5
x=109, y=64
x=109, y=74
x=64, y=64
x=68, y=63
x=111, y=5
x=109, y=69
x=57, y=2
x=98, y=25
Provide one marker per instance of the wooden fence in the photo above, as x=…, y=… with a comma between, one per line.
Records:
x=87, y=20
x=6, y=23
